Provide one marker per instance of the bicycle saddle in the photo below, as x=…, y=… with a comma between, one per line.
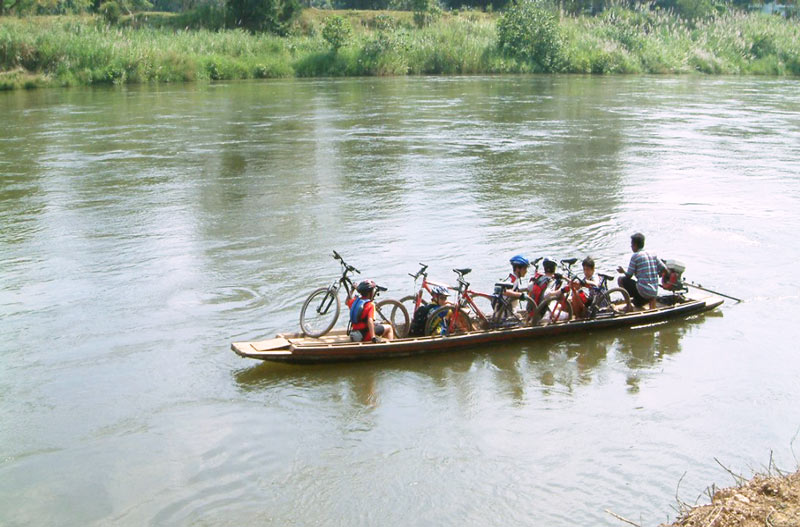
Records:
x=463, y=272
x=607, y=277
x=569, y=261
x=504, y=285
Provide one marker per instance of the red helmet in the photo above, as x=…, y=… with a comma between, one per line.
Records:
x=365, y=286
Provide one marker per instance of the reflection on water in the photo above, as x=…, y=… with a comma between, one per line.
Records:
x=560, y=364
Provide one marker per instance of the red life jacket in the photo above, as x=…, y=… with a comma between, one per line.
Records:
x=540, y=283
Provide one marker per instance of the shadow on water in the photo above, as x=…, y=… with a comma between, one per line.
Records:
x=548, y=365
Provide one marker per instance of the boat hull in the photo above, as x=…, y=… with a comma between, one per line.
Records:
x=336, y=347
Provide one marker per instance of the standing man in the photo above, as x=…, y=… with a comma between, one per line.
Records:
x=645, y=268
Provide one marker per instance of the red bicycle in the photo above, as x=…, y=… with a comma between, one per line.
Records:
x=559, y=302
x=412, y=302
x=555, y=304
x=466, y=314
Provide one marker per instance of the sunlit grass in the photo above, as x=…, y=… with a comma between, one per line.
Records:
x=84, y=50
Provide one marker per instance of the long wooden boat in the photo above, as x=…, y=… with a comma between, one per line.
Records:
x=336, y=346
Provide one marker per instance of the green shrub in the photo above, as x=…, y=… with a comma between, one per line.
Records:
x=530, y=33
x=337, y=31
x=425, y=12
x=385, y=54
x=209, y=15
x=274, y=16
x=384, y=22
x=110, y=11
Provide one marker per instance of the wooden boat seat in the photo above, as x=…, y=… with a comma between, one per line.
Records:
x=271, y=344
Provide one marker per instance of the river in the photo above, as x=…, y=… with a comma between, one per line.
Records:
x=143, y=229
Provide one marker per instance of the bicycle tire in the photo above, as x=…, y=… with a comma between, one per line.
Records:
x=544, y=308
x=625, y=301
x=325, y=319
x=436, y=318
x=485, y=306
x=410, y=303
x=396, y=314
x=531, y=308
x=505, y=317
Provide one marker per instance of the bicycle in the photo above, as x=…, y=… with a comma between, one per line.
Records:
x=555, y=304
x=327, y=306
x=415, y=301
x=455, y=319
x=605, y=301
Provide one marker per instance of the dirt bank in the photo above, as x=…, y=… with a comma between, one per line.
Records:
x=764, y=501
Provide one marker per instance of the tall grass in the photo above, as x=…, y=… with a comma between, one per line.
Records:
x=623, y=41
x=84, y=50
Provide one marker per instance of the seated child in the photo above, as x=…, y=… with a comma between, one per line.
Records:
x=362, y=316
x=585, y=291
x=419, y=322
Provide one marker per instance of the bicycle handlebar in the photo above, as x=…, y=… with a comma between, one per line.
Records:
x=350, y=268
x=421, y=272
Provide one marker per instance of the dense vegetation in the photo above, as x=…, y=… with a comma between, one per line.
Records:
x=159, y=47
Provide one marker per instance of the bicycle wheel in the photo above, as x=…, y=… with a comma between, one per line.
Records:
x=531, y=316
x=620, y=300
x=394, y=313
x=504, y=318
x=484, y=304
x=410, y=303
x=553, y=310
x=439, y=321
x=320, y=312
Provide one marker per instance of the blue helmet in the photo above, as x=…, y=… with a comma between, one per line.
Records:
x=519, y=260
x=439, y=290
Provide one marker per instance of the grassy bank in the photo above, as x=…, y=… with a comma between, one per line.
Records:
x=66, y=51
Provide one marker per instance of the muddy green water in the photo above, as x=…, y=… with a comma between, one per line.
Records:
x=144, y=229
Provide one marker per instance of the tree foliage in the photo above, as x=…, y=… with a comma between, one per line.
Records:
x=425, y=11
x=274, y=16
x=529, y=32
x=337, y=32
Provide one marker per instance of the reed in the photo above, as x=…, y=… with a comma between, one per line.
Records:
x=81, y=50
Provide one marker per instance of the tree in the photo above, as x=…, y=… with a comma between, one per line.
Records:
x=9, y=6
x=530, y=33
x=275, y=16
x=337, y=32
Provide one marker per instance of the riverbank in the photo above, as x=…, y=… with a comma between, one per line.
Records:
x=773, y=501
x=84, y=50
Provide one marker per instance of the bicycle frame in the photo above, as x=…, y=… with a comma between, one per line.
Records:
x=465, y=300
x=602, y=300
x=424, y=286
x=333, y=289
x=564, y=295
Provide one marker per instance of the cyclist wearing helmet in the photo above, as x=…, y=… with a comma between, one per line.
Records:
x=519, y=268
x=362, y=315
x=439, y=295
